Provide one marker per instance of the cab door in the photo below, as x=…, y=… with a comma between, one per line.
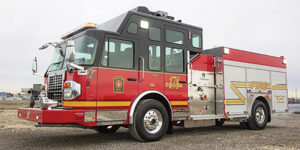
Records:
x=118, y=76
x=176, y=86
x=151, y=75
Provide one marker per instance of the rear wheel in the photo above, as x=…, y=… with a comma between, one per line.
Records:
x=150, y=122
x=107, y=129
x=259, y=116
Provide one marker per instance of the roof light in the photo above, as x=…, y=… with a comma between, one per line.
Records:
x=226, y=50
x=144, y=24
x=89, y=25
x=78, y=30
x=284, y=61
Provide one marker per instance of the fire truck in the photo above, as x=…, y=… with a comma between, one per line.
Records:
x=148, y=72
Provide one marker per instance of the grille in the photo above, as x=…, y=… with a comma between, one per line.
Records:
x=55, y=87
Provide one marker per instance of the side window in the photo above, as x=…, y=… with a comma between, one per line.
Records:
x=196, y=41
x=132, y=28
x=174, y=37
x=154, y=33
x=174, y=60
x=118, y=54
x=154, y=57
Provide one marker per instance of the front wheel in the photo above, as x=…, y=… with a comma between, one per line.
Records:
x=150, y=121
x=107, y=129
x=259, y=116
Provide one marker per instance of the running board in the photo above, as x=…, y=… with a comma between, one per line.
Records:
x=206, y=117
x=238, y=116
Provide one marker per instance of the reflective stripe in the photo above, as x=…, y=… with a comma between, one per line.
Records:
x=179, y=102
x=237, y=92
x=79, y=104
x=278, y=87
x=94, y=104
x=116, y=103
x=233, y=102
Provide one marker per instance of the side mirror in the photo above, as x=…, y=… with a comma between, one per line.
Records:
x=34, y=65
x=70, y=52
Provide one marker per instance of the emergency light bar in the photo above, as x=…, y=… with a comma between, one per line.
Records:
x=81, y=28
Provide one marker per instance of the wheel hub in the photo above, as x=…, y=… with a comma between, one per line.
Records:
x=153, y=121
x=260, y=115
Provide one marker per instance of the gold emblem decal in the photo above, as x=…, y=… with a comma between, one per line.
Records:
x=280, y=99
x=118, y=84
x=259, y=85
x=174, y=83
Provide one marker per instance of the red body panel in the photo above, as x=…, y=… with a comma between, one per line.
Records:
x=176, y=91
x=88, y=84
x=108, y=89
x=254, y=58
x=204, y=63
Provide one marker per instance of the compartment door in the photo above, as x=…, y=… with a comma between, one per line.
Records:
x=279, y=91
x=235, y=90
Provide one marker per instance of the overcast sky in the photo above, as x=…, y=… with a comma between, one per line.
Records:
x=269, y=27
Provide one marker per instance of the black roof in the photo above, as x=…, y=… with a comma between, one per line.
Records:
x=116, y=24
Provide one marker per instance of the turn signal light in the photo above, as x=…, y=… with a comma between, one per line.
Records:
x=43, y=88
x=267, y=96
x=67, y=85
x=205, y=97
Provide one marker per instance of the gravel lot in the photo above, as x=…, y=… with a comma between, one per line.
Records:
x=282, y=133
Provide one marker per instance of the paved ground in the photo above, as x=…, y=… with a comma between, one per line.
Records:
x=282, y=133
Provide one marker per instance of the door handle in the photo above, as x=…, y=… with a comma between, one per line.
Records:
x=131, y=79
x=143, y=67
x=182, y=82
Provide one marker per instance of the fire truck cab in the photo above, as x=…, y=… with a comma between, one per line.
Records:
x=147, y=72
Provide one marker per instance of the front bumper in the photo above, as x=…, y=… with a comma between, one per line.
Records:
x=53, y=116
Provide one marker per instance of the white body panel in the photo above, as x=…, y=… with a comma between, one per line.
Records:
x=279, y=95
x=234, y=74
x=245, y=80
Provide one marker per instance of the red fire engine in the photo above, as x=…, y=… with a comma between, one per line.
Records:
x=147, y=72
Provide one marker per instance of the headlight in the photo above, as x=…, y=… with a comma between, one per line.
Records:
x=72, y=90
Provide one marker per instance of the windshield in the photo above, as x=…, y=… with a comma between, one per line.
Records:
x=85, y=50
x=57, y=58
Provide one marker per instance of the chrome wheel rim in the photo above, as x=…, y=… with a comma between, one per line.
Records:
x=153, y=121
x=260, y=115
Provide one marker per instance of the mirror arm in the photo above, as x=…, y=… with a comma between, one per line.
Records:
x=75, y=66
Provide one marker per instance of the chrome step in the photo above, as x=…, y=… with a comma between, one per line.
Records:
x=206, y=117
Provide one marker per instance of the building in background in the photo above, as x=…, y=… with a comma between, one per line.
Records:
x=19, y=96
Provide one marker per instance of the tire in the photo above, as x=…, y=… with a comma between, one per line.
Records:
x=259, y=116
x=107, y=129
x=220, y=122
x=150, y=121
x=244, y=125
